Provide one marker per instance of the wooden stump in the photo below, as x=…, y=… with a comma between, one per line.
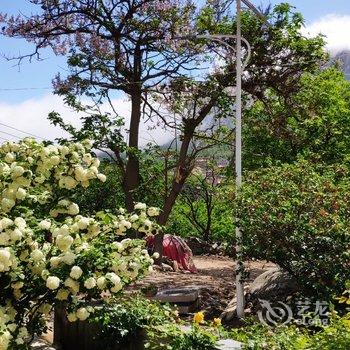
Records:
x=82, y=335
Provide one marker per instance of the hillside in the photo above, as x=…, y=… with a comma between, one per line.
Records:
x=343, y=58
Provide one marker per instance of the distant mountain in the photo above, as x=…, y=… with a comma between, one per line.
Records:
x=343, y=58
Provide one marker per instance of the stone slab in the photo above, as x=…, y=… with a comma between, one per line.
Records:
x=228, y=344
x=39, y=344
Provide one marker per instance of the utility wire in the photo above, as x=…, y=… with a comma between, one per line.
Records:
x=6, y=133
x=24, y=132
x=22, y=89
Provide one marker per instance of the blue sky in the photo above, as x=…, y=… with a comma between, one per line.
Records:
x=314, y=9
x=38, y=75
x=332, y=17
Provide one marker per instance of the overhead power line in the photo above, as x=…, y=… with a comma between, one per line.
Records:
x=22, y=89
x=7, y=133
x=19, y=130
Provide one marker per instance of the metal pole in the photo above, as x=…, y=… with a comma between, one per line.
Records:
x=238, y=161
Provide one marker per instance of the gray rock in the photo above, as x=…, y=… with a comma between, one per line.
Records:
x=166, y=267
x=274, y=284
x=39, y=344
x=228, y=344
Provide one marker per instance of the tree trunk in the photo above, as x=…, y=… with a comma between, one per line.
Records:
x=132, y=172
x=183, y=169
x=131, y=179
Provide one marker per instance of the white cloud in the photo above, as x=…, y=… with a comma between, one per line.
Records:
x=336, y=29
x=31, y=116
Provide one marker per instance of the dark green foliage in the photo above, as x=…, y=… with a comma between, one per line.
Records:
x=171, y=337
x=110, y=195
x=222, y=226
x=314, y=122
x=335, y=336
x=124, y=319
x=102, y=195
x=127, y=317
x=298, y=216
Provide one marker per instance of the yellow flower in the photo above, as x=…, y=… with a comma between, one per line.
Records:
x=343, y=300
x=217, y=322
x=198, y=317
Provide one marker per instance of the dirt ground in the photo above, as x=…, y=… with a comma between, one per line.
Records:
x=215, y=279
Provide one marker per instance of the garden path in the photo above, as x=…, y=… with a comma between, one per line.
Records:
x=215, y=279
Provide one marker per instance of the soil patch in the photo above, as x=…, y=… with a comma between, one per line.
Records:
x=215, y=279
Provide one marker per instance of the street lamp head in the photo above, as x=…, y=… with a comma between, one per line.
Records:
x=255, y=10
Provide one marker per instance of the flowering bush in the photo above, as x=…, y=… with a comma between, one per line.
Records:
x=298, y=216
x=50, y=253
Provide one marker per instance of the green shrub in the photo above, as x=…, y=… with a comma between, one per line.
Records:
x=335, y=336
x=171, y=337
x=124, y=318
x=298, y=216
x=222, y=217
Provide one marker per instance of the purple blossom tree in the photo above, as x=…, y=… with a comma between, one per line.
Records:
x=112, y=45
x=130, y=46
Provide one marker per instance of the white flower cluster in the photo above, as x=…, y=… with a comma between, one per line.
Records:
x=10, y=332
x=27, y=164
x=47, y=246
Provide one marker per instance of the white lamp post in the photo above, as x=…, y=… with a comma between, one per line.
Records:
x=238, y=128
x=238, y=161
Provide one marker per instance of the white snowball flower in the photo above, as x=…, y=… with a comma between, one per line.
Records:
x=118, y=246
x=37, y=255
x=76, y=272
x=82, y=314
x=140, y=206
x=72, y=284
x=54, y=160
x=83, y=223
x=53, y=282
x=101, y=282
x=72, y=317
x=102, y=177
x=10, y=157
x=16, y=235
x=7, y=204
x=64, y=242
x=153, y=211
x=87, y=158
x=20, y=223
x=126, y=224
x=90, y=283
x=114, y=278
x=5, y=339
x=17, y=171
x=62, y=294
x=73, y=209
x=21, y=193
x=45, y=224
x=5, y=260
x=55, y=261
x=5, y=223
x=69, y=258
x=63, y=230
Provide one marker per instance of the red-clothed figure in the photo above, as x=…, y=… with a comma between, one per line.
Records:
x=177, y=250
